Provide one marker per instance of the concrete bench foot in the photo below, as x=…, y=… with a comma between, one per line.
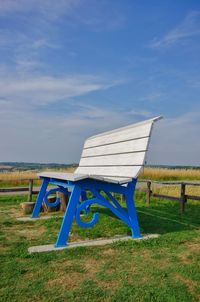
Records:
x=85, y=243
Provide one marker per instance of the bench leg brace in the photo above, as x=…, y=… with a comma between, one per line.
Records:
x=68, y=217
x=40, y=198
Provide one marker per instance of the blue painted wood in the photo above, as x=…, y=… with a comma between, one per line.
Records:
x=83, y=195
x=102, y=202
x=76, y=205
x=40, y=198
x=53, y=191
x=115, y=202
x=129, y=196
x=68, y=217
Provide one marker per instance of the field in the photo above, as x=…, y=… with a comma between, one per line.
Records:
x=158, y=174
x=162, y=269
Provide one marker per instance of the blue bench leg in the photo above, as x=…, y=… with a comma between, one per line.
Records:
x=68, y=217
x=40, y=197
x=132, y=213
x=83, y=195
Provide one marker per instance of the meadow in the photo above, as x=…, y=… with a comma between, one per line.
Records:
x=159, y=174
x=164, y=269
x=161, y=269
x=19, y=178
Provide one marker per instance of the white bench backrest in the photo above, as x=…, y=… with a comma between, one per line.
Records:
x=117, y=154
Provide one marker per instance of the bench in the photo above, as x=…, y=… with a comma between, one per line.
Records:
x=110, y=163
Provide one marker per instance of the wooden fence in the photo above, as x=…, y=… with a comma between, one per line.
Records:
x=182, y=199
x=28, y=189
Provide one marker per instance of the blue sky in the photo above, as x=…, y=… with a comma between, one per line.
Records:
x=73, y=68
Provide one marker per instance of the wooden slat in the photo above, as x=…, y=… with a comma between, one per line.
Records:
x=165, y=196
x=128, y=171
x=134, y=159
x=192, y=197
x=119, y=136
x=19, y=179
x=118, y=180
x=6, y=190
x=64, y=176
x=128, y=146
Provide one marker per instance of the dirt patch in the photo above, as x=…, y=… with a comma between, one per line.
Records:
x=14, y=212
x=184, y=258
x=191, y=285
x=113, y=284
x=67, y=280
x=31, y=233
x=109, y=252
x=194, y=247
x=62, y=263
x=92, y=265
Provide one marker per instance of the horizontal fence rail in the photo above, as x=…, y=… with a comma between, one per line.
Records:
x=182, y=198
x=28, y=189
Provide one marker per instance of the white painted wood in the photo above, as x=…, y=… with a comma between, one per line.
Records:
x=118, y=180
x=129, y=146
x=114, y=160
x=150, y=121
x=116, y=156
x=124, y=171
x=121, y=135
x=64, y=176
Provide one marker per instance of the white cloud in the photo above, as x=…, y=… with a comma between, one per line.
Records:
x=176, y=141
x=188, y=28
x=38, y=136
x=49, y=8
x=42, y=90
x=94, y=14
x=143, y=113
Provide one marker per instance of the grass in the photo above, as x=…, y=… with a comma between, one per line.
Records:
x=174, y=190
x=170, y=174
x=20, y=178
x=161, y=269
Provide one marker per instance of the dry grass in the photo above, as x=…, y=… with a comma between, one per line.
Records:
x=20, y=178
x=20, y=175
x=170, y=174
x=173, y=190
x=147, y=173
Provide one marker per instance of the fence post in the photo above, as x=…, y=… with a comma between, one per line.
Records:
x=30, y=190
x=148, y=195
x=182, y=198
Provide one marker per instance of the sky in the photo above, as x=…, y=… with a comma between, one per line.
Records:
x=70, y=69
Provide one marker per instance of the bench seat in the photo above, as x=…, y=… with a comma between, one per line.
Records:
x=76, y=177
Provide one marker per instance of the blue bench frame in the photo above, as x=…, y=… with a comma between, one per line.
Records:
x=78, y=202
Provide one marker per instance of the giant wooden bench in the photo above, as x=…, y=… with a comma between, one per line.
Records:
x=110, y=162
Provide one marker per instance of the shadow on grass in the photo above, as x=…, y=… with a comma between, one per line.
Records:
x=161, y=217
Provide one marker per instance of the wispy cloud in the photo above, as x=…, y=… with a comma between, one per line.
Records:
x=94, y=14
x=188, y=28
x=50, y=8
x=41, y=90
x=45, y=22
x=174, y=141
x=141, y=113
x=152, y=97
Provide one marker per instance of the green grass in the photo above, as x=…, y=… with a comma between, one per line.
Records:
x=161, y=269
